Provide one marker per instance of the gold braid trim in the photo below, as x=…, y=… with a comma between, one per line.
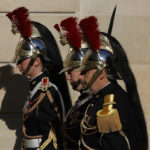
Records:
x=29, y=111
x=52, y=136
x=30, y=137
x=53, y=103
x=34, y=106
x=85, y=127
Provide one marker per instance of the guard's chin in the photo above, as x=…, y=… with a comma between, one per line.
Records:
x=75, y=86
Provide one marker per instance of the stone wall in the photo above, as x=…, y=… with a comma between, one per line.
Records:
x=131, y=27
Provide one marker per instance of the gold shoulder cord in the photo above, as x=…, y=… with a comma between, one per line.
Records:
x=108, y=119
x=27, y=112
x=30, y=137
x=52, y=134
x=53, y=103
x=86, y=127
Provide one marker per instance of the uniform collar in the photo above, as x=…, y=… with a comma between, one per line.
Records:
x=37, y=79
x=104, y=90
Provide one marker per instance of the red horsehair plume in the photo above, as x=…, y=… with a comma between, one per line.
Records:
x=20, y=18
x=73, y=34
x=56, y=26
x=89, y=27
x=10, y=16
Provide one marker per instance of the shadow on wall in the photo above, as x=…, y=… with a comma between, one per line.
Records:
x=17, y=89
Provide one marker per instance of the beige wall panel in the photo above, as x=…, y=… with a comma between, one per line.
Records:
x=133, y=34
x=124, y=7
x=135, y=39
x=41, y=5
x=142, y=74
x=131, y=28
x=10, y=135
x=96, y=7
x=9, y=41
x=50, y=21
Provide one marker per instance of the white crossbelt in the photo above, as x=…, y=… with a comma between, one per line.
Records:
x=32, y=143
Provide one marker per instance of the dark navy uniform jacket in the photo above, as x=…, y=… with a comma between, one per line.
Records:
x=94, y=140
x=72, y=125
x=43, y=121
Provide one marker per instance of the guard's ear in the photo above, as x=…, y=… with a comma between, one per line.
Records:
x=37, y=61
x=103, y=75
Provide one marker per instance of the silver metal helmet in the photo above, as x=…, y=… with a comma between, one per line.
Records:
x=72, y=36
x=99, y=60
x=74, y=58
x=32, y=48
x=31, y=43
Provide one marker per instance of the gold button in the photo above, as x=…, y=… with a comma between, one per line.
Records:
x=33, y=82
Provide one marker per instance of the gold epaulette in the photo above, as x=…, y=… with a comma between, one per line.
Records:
x=108, y=119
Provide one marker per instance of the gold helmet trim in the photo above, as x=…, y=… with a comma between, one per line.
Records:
x=18, y=53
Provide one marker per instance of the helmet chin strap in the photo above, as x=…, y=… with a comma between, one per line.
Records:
x=29, y=65
x=33, y=57
x=94, y=77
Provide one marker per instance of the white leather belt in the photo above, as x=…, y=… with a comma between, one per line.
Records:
x=32, y=143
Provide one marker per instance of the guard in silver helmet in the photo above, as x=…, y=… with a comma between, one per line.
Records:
x=44, y=110
x=72, y=62
x=114, y=116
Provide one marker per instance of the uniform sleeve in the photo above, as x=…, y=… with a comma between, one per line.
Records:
x=110, y=126
x=59, y=102
x=46, y=116
x=51, y=115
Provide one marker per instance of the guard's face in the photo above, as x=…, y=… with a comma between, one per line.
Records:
x=86, y=77
x=23, y=64
x=73, y=78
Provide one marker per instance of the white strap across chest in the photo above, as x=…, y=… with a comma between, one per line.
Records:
x=38, y=87
x=35, y=89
